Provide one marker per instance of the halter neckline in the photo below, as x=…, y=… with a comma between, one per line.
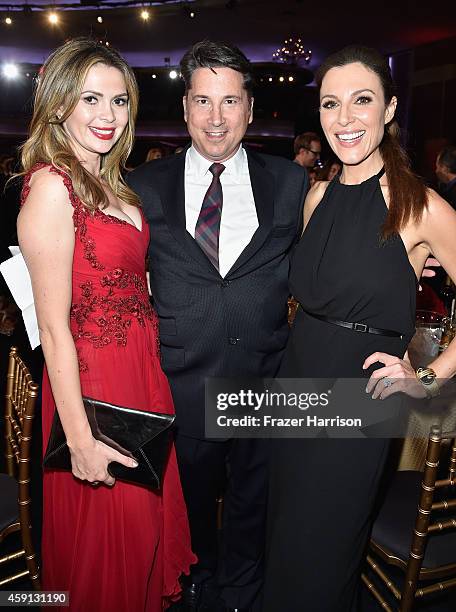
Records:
x=377, y=176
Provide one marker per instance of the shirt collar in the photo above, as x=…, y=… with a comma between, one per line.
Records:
x=199, y=165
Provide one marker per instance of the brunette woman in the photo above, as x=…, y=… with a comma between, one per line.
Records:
x=367, y=235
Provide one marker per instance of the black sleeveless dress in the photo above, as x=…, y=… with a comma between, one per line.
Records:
x=323, y=491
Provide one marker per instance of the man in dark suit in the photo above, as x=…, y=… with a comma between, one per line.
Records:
x=219, y=282
x=445, y=170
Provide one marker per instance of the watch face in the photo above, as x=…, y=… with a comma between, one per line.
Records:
x=428, y=379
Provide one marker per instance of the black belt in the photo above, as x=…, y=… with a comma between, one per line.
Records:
x=358, y=327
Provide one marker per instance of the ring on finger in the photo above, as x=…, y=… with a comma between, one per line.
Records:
x=387, y=382
x=95, y=483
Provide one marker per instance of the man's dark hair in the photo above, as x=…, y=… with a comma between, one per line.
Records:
x=302, y=141
x=447, y=157
x=211, y=54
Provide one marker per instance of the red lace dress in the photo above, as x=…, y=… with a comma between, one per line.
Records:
x=121, y=549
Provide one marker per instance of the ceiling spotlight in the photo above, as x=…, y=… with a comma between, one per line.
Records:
x=53, y=18
x=145, y=15
x=154, y=76
x=173, y=74
x=10, y=71
x=8, y=20
x=281, y=79
x=291, y=79
x=270, y=79
x=107, y=43
x=100, y=19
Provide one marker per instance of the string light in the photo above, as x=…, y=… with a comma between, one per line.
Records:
x=154, y=76
x=278, y=78
x=172, y=74
x=53, y=16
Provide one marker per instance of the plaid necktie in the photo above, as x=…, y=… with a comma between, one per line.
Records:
x=207, y=229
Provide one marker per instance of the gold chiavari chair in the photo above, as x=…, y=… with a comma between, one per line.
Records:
x=15, y=515
x=421, y=543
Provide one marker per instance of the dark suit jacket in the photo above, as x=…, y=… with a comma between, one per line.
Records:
x=212, y=326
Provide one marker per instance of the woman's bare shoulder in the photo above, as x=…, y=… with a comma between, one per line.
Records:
x=45, y=178
x=46, y=191
x=313, y=199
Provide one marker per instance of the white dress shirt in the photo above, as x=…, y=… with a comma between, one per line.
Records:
x=239, y=219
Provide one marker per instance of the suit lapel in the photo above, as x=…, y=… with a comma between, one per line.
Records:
x=263, y=194
x=171, y=186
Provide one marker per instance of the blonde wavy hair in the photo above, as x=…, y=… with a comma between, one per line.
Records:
x=59, y=86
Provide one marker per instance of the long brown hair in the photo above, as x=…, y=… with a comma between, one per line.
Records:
x=58, y=90
x=407, y=192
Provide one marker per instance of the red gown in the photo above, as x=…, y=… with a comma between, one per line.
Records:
x=122, y=548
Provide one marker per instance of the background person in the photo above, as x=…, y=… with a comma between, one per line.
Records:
x=307, y=149
x=445, y=170
x=155, y=151
x=329, y=170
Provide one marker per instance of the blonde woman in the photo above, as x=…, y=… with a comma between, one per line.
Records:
x=112, y=545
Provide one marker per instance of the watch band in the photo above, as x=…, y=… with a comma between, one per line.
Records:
x=427, y=378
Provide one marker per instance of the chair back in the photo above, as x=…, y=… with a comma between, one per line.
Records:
x=21, y=394
x=429, y=563
x=427, y=508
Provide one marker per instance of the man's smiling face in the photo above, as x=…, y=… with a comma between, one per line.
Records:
x=217, y=110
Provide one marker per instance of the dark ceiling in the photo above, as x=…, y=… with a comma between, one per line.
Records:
x=257, y=26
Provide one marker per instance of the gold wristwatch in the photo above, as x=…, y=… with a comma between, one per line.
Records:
x=427, y=378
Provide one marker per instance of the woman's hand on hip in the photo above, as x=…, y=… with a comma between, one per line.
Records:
x=397, y=376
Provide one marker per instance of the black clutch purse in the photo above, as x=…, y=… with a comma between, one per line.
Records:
x=145, y=436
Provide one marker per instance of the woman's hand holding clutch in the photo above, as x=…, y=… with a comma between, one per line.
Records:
x=90, y=461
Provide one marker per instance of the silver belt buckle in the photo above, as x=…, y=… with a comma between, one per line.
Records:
x=360, y=327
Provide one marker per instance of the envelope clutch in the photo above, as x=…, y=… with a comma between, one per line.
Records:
x=145, y=436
